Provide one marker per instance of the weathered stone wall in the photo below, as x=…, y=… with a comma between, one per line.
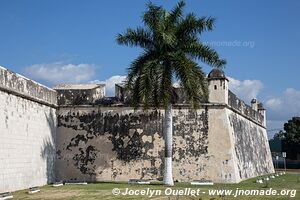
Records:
x=27, y=132
x=79, y=94
x=118, y=143
x=238, y=146
x=251, y=147
x=23, y=87
x=107, y=141
x=241, y=107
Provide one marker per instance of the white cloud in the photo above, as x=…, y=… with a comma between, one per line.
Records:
x=274, y=103
x=282, y=108
x=246, y=89
x=110, y=84
x=55, y=73
x=285, y=106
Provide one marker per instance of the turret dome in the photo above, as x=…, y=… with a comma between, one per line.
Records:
x=216, y=74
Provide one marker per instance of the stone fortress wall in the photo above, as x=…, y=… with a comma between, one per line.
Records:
x=90, y=137
x=224, y=140
x=27, y=132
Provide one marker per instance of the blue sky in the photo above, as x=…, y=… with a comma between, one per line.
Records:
x=74, y=41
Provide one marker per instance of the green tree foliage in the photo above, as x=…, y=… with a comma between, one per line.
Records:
x=290, y=137
x=292, y=131
x=171, y=45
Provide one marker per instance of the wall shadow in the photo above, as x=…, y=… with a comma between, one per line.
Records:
x=48, y=150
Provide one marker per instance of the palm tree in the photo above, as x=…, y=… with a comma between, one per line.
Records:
x=171, y=46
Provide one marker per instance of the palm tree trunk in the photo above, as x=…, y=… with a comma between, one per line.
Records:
x=168, y=137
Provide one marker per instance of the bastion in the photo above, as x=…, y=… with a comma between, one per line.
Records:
x=76, y=133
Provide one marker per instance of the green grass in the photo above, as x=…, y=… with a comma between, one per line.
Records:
x=104, y=190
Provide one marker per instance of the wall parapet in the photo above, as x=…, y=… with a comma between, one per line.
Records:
x=240, y=106
x=79, y=94
x=18, y=85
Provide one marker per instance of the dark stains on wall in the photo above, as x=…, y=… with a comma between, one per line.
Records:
x=84, y=158
x=250, y=147
x=130, y=150
x=187, y=123
x=190, y=152
x=80, y=94
x=18, y=85
x=126, y=133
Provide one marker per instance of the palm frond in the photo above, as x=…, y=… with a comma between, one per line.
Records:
x=153, y=16
x=176, y=13
x=137, y=66
x=138, y=37
x=171, y=45
x=203, y=53
x=192, y=78
x=146, y=92
x=192, y=25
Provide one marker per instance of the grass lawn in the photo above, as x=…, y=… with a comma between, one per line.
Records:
x=104, y=190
